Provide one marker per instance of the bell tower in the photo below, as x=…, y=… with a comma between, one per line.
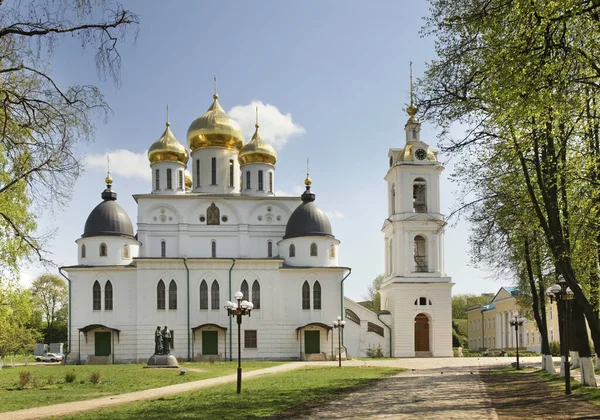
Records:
x=416, y=288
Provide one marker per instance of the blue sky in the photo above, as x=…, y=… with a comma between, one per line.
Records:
x=336, y=75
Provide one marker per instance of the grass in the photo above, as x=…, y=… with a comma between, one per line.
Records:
x=287, y=394
x=589, y=393
x=48, y=384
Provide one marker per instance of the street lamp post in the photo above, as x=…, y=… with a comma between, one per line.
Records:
x=563, y=296
x=339, y=324
x=239, y=309
x=517, y=322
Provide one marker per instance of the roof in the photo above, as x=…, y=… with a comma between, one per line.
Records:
x=108, y=218
x=512, y=291
x=308, y=219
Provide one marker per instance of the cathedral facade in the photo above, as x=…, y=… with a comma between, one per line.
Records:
x=205, y=235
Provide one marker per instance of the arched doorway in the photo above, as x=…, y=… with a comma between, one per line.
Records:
x=421, y=333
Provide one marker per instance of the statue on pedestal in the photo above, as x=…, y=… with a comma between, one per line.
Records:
x=158, y=341
x=167, y=340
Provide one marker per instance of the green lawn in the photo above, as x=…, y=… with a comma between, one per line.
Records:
x=48, y=386
x=288, y=394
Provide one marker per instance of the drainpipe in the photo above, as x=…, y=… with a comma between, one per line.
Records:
x=69, y=317
x=188, y=306
x=230, y=318
x=342, y=304
x=390, y=329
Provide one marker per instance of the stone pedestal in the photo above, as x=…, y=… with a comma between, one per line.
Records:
x=162, y=361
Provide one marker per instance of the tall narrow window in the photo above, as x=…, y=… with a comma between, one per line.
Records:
x=126, y=252
x=250, y=339
x=83, y=251
x=197, y=172
x=317, y=295
x=157, y=180
x=180, y=180
x=108, y=296
x=420, y=254
x=247, y=180
x=203, y=295
x=214, y=295
x=420, y=196
x=305, y=296
x=393, y=199
x=160, y=295
x=269, y=249
x=256, y=294
x=97, y=296
x=244, y=290
x=292, y=250
x=270, y=181
x=163, y=248
x=260, y=181
x=169, y=179
x=213, y=171
x=332, y=251
x=172, y=295
x=314, y=251
x=391, y=257
x=213, y=249
x=103, y=250
x=231, y=172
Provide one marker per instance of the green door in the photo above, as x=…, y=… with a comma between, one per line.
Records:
x=210, y=342
x=102, y=344
x=312, y=340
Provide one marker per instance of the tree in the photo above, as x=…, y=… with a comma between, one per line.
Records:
x=49, y=293
x=373, y=298
x=18, y=331
x=462, y=303
x=41, y=121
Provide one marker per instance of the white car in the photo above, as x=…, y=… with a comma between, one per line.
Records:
x=49, y=357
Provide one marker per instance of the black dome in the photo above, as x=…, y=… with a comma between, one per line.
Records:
x=108, y=218
x=308, y=219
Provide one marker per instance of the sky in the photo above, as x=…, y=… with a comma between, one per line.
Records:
x=331, y=80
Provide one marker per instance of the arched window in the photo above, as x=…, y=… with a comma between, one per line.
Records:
x=126, y=252
x=157, y=180
x=393, y=198
x=317, y=295
x=172, y=295
x=213, y=171
x=391, y=257
x=108, y=296
x=213, y=248
x=419, y=195
x=422, y=301
x=270, y=181
x=197, y=173
x=260, y=181
x=351, y=315
x=420, y=255
x=180, y=180
x=269, y=249
x=163, y=248
x=97, y=296
x=103, y=250
x=160, y=295
x=391, y=161
x=83, y=251
x=244, y=290
x=305, y=296
x=231, y=172
x=214, y=295
x=248, y=180
x=292, y=250
x=256, y=294
x=314, y=251
x=203, y=295
x=332, y=251
x=213, y=215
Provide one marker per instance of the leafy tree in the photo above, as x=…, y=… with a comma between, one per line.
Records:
x=462, y=303
x=49, y=293
x=18, y=332
x=41, y=121
x=372, y=296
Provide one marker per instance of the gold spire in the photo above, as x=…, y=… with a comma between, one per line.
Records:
x=307, y=181
x=257, y=150
x=412, y=109
x=108, y=180
x=167, y=148
x=215, y=94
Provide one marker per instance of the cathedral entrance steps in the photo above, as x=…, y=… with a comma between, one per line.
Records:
x=315, y=357
x=423, y=354
x=98, y=360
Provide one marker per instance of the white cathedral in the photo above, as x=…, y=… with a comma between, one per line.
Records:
x=202, y=238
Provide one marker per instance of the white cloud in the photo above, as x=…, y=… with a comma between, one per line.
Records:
x=124, y=163
x=275, y=127
x=336, y=214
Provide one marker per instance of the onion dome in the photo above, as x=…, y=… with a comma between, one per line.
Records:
x=108, y=218
x=215, y=129
x=308, y=219
x=257, y=151
x=407, y=153
x=168, y=149
x=188, y=180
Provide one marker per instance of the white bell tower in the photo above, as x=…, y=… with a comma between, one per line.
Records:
x=416, y=289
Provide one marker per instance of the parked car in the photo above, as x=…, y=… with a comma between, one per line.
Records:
x=49, y=357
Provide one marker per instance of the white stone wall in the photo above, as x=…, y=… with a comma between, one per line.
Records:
x=115, y=246
x=254, y=169
x=223, y=157
x=162, y=167
x=325, y=256
x=357, y=338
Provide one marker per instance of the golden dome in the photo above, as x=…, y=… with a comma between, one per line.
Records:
x=168, y=149
x=188, y=180
x=215, y=129
x=407, y=154
x=108, y=180
x=257, y=151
